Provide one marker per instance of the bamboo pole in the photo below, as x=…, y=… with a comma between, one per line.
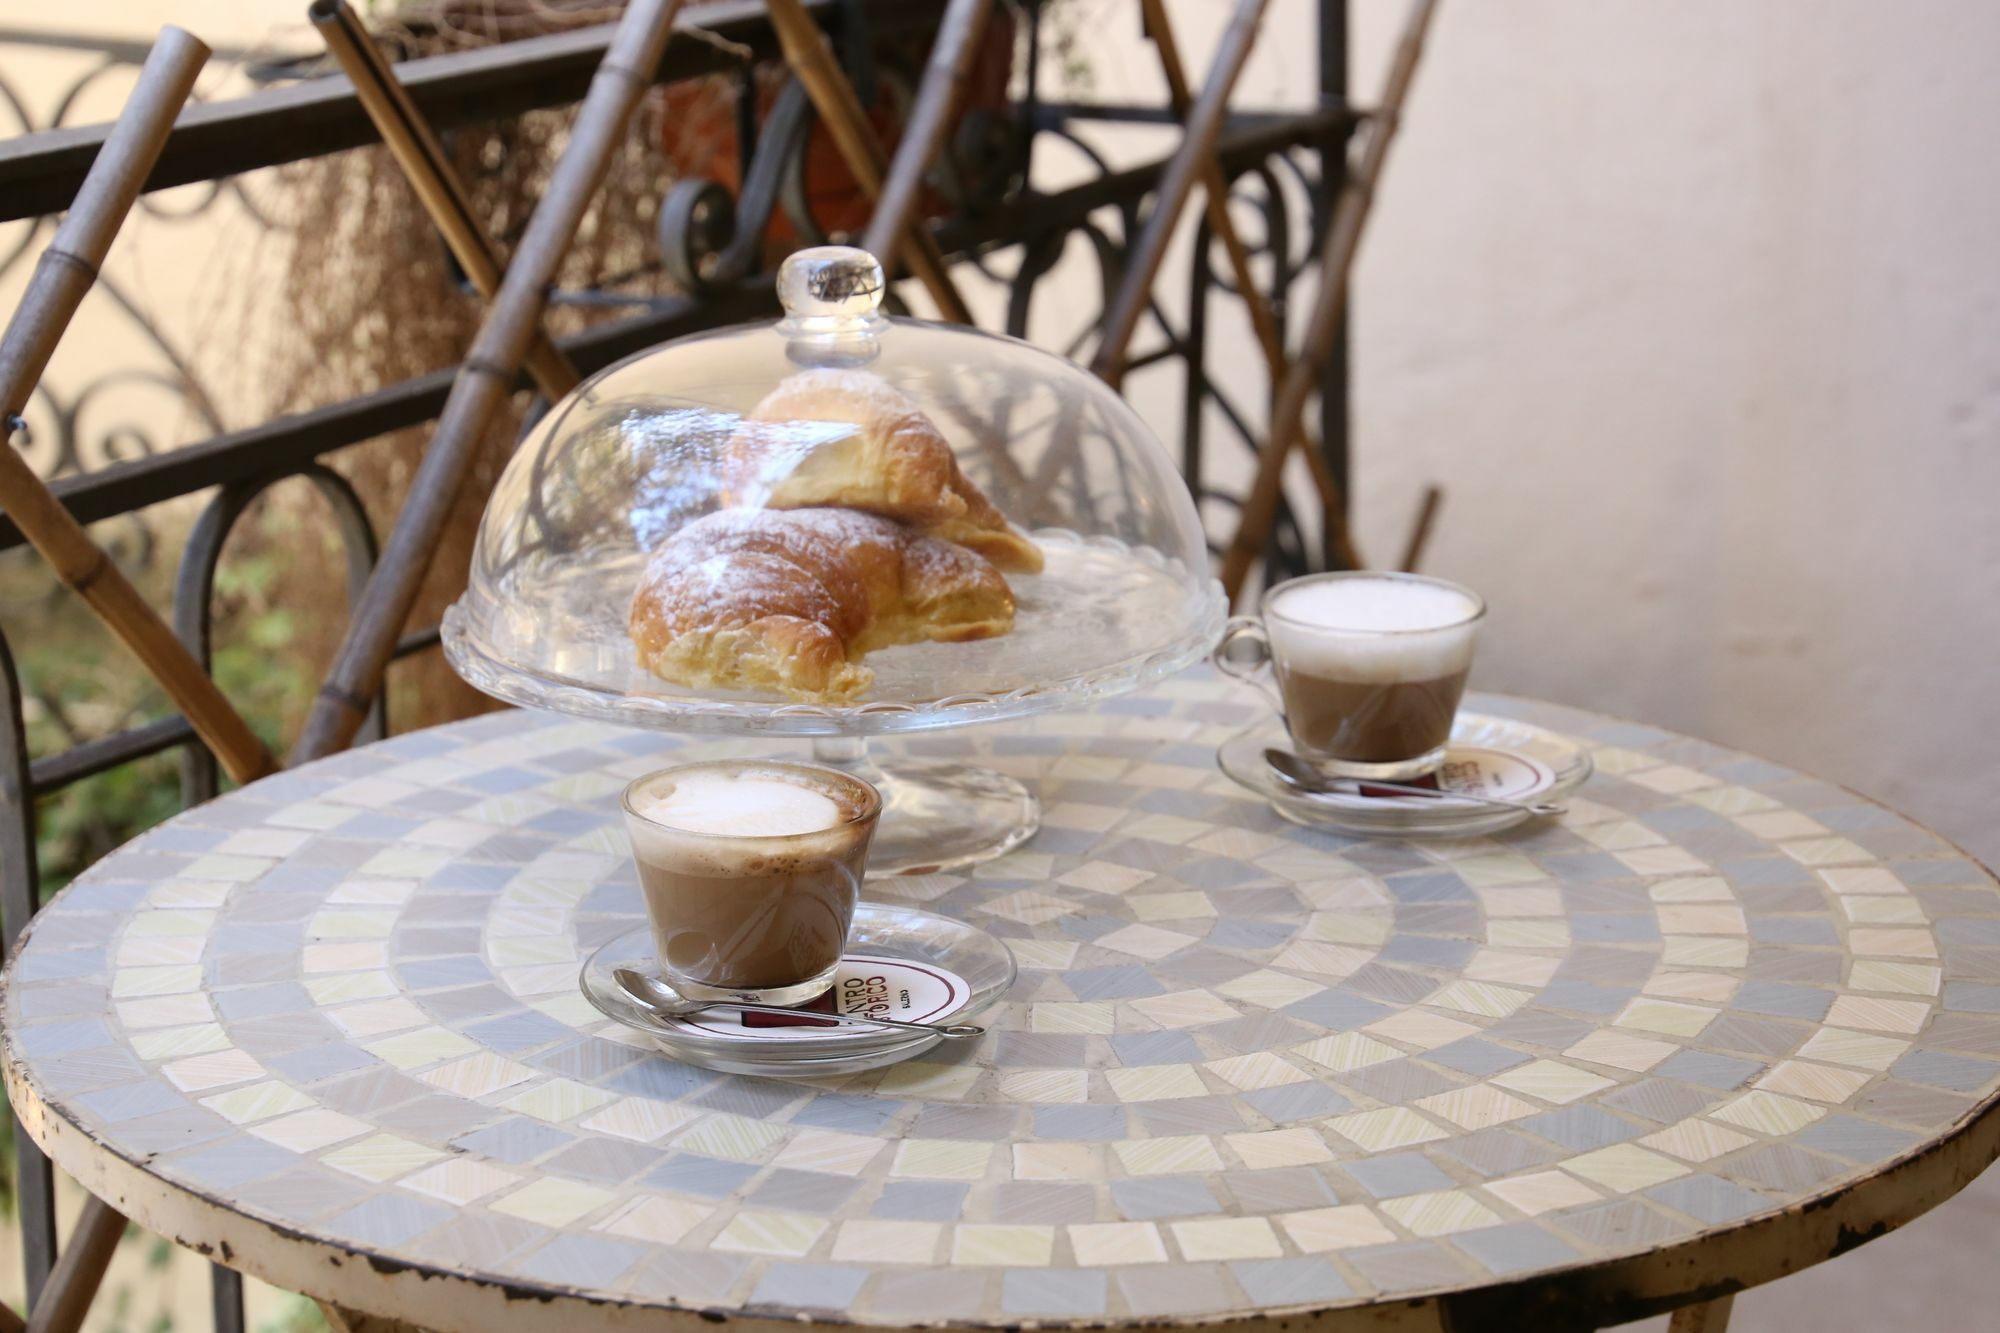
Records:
x=485, y=378
x=946, y=75
x=1337, y=251
x=1263, y=322
x=415, y=146
x=811, y=60
x=71, y=1287
x=65, y=274
x=1420, y=531
x=1200, y=127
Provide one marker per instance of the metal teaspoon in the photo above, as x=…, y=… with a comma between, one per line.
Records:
x=655, y=998
x=1296, y=773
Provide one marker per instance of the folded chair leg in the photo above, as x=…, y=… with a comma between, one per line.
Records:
x=72, y=1286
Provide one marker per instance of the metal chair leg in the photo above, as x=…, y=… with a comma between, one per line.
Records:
x=1708, y=1317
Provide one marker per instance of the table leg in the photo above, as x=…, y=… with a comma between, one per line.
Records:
x=343, y=1320
x=1708, y=1317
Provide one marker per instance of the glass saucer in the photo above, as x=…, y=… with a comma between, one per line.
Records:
x=920, y=966
x=1496, y=756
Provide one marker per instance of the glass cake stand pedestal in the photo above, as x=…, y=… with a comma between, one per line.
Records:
x=936, y=815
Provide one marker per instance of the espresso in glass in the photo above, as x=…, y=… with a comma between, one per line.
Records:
x=1371, y=668
x=751, y=870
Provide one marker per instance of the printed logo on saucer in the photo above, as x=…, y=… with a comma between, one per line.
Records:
x=1503, y=773
x=866, y=985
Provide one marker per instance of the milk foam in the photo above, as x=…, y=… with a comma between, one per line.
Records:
x=744, y=805
x=1373, y=629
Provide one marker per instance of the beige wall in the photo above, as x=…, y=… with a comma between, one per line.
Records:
x=1694, y=310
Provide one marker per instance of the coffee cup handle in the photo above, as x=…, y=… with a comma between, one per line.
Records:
x=1248, y=629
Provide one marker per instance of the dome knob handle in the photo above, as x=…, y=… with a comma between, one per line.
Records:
x=832, y=283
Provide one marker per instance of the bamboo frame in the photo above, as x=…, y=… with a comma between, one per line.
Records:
x=1263, y=321
x=946, y=75
x=1201, y=124
x=79, y=1271
x=485, y=378
x=1342, y=240
x=422, y=157
x=64, y=275
x=840, y=110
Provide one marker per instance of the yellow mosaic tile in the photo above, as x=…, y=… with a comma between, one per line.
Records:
x=1863, y=1050
x=1539, y=1192
x=1389, y=1127
x=174, y=923
x=1347, y=1227
x=1479, y=997
x=1424, y=1031
x=1712, y=987
x=1148, y=1083
x=1043, y=955
x=1528, y=933
x=1701, y=919
x=1269, y=989
x=941, y=1159
x=215, y=1069
x=1731, y=800
x=1552, y=1081
x=1475, y=1107
x=1865, y=1011
x=1776, y=824
x=259, y=1101
x=1695, y=1140
x=1082, y=817
x=1045, y=1085
x=1522, y=969
x=477, y=1075
x=1440, y=1213
x=1327, y=961
x=1768, y=1113
x=166, y=1011
x=1675, y=779
x=1221, y=1239
x=1184, y=1009
x=886, y=1241
x=1370, y=928
x=1874, y=974
x=1109, y=1243
x=1625, y=1168
x=1623, y=836
x=381, y=1157
x=760, y=1231
x=344, y=986
x=1824, y=852
x=167, y=1043
x=1058, y=1161
x=1170, y=906
x=1704, y=951
x=1170, y=1155
x=641, y=1119
x=310, y=1130
x=1499, y=868
x=1667, y=1016
x=653, y=1219
x=425, y=1046
x=559, y=1099
x=1883, y=911
x=1347, y=1050
x=734, y=1138
x=131, y=983
x=460, y=1180
x=1104, y=877
x=1662, y=861
x=1521, y=902
x=1863, y=880
x=1151, y=943
x=1820, y=1083
x=1621, y=1050
x=1692, y=889
x=1297, y=1146
x=375, y=1018
x=1260, y=1069
x=1076, y=1016
x=1008, y=1246
x=921, y=1078
x=1880, y=942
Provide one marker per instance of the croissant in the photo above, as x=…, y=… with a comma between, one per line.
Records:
x=795, y=451
x=789, y=600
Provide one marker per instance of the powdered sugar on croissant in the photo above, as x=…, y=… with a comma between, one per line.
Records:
x=789, y=600
x=792, y=452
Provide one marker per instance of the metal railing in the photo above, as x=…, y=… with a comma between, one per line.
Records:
x=1281, y=159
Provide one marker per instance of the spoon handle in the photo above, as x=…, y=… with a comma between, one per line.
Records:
x=1533, y=807
x=952, y=1031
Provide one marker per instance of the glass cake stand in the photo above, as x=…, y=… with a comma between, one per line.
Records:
x=656, y=442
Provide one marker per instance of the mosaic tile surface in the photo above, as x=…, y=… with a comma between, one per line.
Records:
x=1247, y=1066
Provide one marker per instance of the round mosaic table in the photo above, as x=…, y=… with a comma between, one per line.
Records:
x=1720, y=1022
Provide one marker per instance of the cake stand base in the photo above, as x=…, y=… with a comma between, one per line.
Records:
x=936, y=814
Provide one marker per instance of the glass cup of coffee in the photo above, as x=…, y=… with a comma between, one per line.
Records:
x=750, y=869
x=1370, y=667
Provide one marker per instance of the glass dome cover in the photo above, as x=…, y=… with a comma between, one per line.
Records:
x=662, y=478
